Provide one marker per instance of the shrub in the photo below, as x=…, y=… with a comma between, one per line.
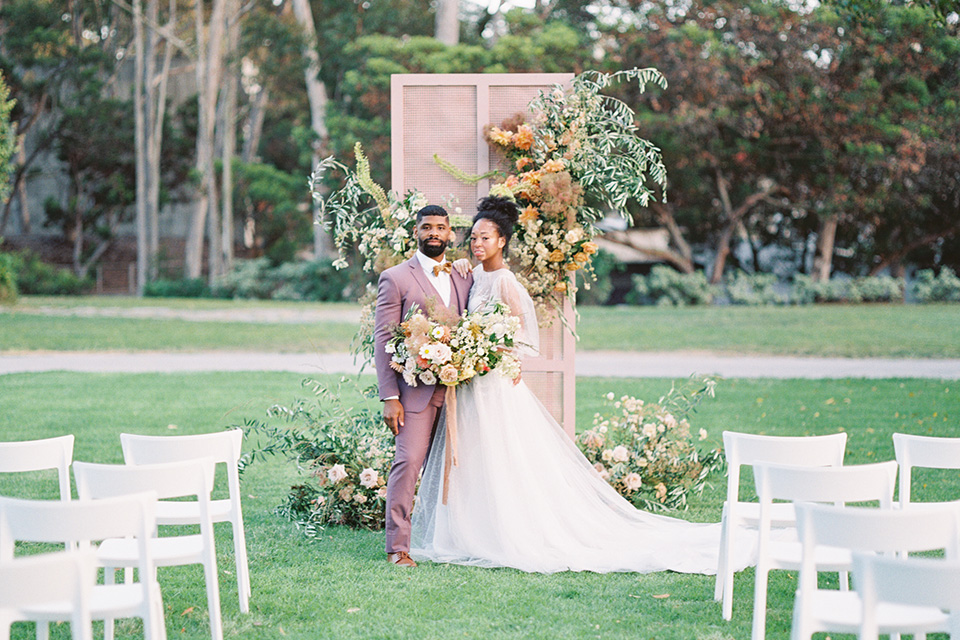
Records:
x=646, y=451
x=667, y=287
x=249, y=279
x=8, y=279
x=344, y=452
x=877, y=289
x=315, y=280
x=605, y=264
x=867, y=289
x=932, y=288
x=37, y=277
x=753, y=289
x=183, y=288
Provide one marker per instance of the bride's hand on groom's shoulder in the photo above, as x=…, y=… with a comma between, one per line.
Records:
x=463, y=267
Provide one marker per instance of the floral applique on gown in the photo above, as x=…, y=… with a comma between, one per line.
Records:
x=523, y=495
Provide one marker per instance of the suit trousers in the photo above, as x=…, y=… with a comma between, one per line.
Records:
x=413, y=447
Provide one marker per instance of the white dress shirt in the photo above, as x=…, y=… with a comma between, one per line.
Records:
x=441, y=282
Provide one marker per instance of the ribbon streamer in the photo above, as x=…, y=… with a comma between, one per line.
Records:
x=450, y=441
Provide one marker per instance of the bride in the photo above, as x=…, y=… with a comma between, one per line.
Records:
x=523, y=495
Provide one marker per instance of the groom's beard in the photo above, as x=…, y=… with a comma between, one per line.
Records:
x=432, y=248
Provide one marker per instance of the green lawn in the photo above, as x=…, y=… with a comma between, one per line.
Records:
x=889, y=330
x=339, y=586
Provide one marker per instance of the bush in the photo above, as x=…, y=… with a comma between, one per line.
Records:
x=753, y=289
x=868, y=289
x=344, y=453
x=316, y=280
x=8, y=279
x=605, y=264
x=877, y=289
x=667, y=287
x=931, y=288
x=36, y=277
x=184, y=288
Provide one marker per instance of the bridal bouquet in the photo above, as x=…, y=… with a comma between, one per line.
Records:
x=430, y=352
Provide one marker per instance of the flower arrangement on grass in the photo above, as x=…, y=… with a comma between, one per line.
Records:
x=426, y=351
x=647, y=451
x=343, y=452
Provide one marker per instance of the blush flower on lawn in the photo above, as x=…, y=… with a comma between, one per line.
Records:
x=632, y=481
x=336, y=473
x=369, y=478
x=620, y=454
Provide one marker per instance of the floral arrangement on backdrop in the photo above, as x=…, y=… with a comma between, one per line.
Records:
x=647, y=451
x=577, y=157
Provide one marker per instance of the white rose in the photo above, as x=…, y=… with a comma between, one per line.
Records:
x=369, y=478
x=336, y=473
x=649, y=430
x=409, y=378
x=620, y=454
x=610, y=395
x=428, y=378
x=632, y=481
x=390, y=348
x=607, y=455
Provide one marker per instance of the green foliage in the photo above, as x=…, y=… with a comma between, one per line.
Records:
x=182, y=288
x=930, y=287
x=276, y=201
x=8, y=279
x=670, y=288
x=344, y=452
x=8, y=139
x=753, y=288
x=315, y=280
x=36, y=277
x=868, y=289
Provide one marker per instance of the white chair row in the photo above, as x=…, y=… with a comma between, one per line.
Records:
x=790, y=470
x=171, y=466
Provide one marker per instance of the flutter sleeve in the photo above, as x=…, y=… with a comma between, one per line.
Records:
x=512, y=293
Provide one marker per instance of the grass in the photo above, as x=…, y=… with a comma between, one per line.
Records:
x=889, y=330
x=339, y=586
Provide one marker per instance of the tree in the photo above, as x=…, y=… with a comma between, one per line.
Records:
x=8, y=139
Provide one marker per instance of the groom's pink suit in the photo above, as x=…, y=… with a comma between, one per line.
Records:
x=400, y=288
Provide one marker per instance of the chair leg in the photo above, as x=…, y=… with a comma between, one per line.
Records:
x=243, y=569
x=109, y=577
x=155, y=628
x=213, y=596
x=727, y=552
x=760, y=604
x=721, y=559
x=43, y=630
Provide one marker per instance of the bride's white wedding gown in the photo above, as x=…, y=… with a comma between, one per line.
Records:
x=523, y=495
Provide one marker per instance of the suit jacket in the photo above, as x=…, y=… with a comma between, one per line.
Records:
x=400, y=288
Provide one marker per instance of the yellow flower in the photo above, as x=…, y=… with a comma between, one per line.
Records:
x=590, y=247
x=560, y=287
x=581, y=258
x=556, y=256
x=572, y=266
x=501, y=137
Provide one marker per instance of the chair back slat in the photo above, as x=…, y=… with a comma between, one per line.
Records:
x=844, y=484
x=169, y=480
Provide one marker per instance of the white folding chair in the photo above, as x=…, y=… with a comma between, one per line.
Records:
x=837, y=485
x=82, y=522
x=929, y=452
x=903, y=590
x=63, y=579
x=748, y=449
x=191, y=478
x=222, y=447
x=867, y=530
x=40, y=455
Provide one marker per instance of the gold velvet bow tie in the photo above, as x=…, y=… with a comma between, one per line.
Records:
x=446, y=266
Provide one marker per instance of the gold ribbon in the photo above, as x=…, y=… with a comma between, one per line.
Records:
x=450, y=441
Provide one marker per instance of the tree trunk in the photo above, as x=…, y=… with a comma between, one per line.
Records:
x=317, y=95
x=734, y=218
x=823, y=262
x=447, y=23
x=141, y=119
x=22, y=191
x=254, y=125
x=895, y=260
x=155, y=144
x=664, y=215
x=229, y=136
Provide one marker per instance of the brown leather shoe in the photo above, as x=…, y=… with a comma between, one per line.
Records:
x=401, y=559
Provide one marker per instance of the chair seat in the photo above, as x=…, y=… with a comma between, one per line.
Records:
x=788, y=555
x=841, y=611
x=166, y=552
x=782, y=514
x=106, y=601
x=189, y=512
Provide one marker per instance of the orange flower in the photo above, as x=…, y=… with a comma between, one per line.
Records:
x=531, y=177
x=553, y=166
x=555, y=256
x=522, y=162
x=512, y=181
x=581, y=258
x=572, y=266
x=523, y=138
x=589, y=248
x=560, y=287
x=529, y=214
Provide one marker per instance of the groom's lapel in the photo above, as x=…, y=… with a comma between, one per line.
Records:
x=424, y=283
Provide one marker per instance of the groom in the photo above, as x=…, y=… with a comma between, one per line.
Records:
x=411, y=413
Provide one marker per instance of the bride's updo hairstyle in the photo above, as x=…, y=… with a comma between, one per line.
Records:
x=503, y=212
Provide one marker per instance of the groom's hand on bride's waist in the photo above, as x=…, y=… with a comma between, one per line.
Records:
x=393, y=414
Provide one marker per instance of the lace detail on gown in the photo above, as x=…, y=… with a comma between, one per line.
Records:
x=524, y=496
